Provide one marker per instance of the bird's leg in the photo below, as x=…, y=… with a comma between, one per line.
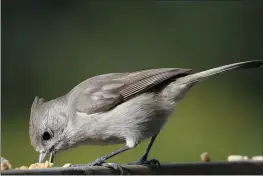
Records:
x=144, y=157
x=100, y=161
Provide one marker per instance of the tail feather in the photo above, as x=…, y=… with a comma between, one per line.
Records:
x=200, y=76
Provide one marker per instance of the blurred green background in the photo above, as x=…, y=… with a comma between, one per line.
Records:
x=50, y=46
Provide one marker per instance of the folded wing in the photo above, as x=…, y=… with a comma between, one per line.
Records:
x=105, y=94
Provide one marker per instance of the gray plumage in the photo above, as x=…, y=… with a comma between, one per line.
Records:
x=114, y=108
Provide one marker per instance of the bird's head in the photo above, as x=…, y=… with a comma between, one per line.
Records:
x=48, y=127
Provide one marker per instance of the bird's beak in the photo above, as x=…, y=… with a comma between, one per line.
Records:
x=42, y=157
x=51, y=156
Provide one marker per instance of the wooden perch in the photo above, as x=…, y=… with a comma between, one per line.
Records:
x=211, y=168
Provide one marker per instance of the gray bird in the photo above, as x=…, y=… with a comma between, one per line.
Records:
x=114, y=108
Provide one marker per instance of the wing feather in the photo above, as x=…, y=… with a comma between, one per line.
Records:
x=107, y=93
x=153, y=79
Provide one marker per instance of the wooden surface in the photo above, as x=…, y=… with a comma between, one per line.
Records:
x=244, y=167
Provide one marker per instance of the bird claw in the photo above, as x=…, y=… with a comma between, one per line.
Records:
x=114, y=166
x=100, y=162
x=152, y=161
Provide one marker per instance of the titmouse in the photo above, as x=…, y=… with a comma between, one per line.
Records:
x=114, y=108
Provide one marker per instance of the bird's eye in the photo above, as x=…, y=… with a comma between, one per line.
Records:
x=46, y=136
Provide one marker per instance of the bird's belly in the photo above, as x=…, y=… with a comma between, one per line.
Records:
x=139, y=118
x=103, y=141
x=132, y=121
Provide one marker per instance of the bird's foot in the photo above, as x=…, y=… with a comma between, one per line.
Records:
x=100, y=162
x=114, y=166
x=152, y=161
x=97, y=162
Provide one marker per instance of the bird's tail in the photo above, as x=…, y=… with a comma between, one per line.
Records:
x=200, y=76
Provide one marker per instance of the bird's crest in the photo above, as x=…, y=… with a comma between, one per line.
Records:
x=37, y=101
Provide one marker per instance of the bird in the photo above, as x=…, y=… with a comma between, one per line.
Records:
x=115, y=108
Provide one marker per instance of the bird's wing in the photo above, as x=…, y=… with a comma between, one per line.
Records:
x=103, y=95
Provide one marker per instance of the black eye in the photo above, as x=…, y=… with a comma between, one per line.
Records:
x=46, y=136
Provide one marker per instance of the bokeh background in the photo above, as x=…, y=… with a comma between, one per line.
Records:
x=50, y=46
